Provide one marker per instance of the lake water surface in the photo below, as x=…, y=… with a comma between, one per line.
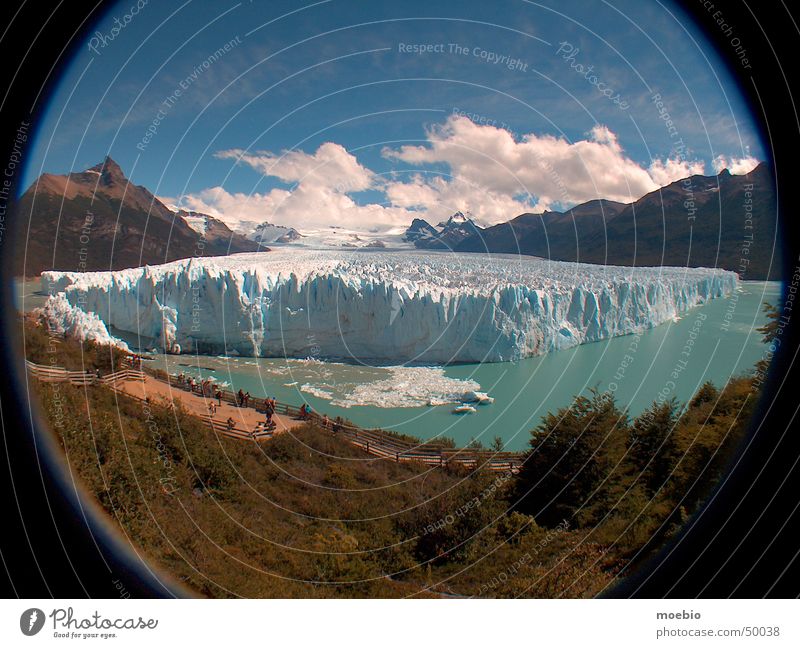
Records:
x=712, y=342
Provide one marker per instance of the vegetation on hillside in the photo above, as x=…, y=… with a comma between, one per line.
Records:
x=307, y=515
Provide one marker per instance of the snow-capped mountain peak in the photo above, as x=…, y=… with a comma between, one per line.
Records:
x=449, y=233
x=459, y=218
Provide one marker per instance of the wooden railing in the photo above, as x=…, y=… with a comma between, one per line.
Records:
x=123, y=374
x=59, y=374
x=222, y=427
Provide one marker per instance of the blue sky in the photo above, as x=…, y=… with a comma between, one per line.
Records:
x=372, y=124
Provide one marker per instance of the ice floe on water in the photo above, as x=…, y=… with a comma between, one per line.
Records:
x=402, y=387
x=316, y=390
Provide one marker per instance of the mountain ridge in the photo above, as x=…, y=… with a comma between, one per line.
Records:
x=97, y=219
x=698, y=221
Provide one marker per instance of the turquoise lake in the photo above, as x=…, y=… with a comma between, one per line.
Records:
x=712, y=342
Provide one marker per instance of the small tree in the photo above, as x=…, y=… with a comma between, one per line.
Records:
x=770, y=329
x=573, y=460
x=651, y=443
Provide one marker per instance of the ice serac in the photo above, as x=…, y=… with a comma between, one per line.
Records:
x=381, y=306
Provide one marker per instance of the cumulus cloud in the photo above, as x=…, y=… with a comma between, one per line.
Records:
x=737, y=166
x=441, y=196
x=317, y=197
x=664, y=172
x=490, y=173
x=331, y=166
x=305, y=206
x=552, y=169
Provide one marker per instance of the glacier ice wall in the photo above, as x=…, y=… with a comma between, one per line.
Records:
x=381, y=306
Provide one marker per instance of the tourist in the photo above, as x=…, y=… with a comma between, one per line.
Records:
x=230, y=423
x=337, y=424
x=219, y=397
x=212, y=409
x=326, y=421
x=246, y=398
x=240, y=398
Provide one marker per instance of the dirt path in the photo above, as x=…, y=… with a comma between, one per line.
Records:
x=245, y=418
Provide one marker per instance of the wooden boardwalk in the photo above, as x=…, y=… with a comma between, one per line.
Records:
x=381, y=443
x=246, y=422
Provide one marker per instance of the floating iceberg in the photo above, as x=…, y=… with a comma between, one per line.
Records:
x=482, y=398
x=382, y=307
x=464, y=409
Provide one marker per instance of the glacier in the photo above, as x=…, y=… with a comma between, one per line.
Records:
x=386, y=307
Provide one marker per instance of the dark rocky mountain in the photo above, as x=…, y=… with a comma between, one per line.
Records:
x=698, y=221
x=448, y=236
x=98, y=220
x=420, y=229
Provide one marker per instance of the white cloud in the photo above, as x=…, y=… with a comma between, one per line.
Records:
x=737, y=166
x=318, y=195
x=439, y=197
x=492, y=174
x=304, y=207
x=550, y=168
x=663, y=172
x=331, y=167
